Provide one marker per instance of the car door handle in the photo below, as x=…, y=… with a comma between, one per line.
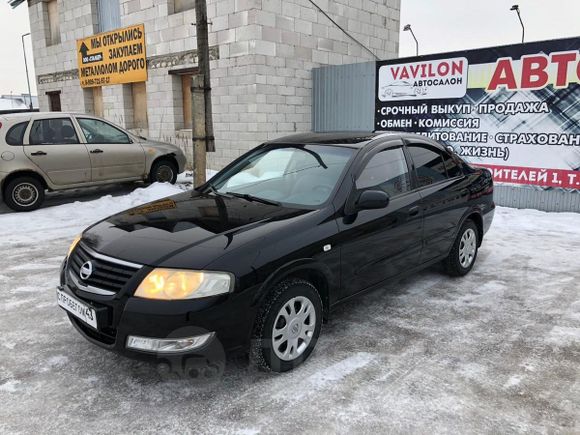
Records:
x=38, y=153
x=97, y=151
x=413, y=211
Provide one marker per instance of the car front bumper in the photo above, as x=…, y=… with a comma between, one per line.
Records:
x=226, y=319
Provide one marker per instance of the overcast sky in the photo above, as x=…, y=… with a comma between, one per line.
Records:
x=440, y=25
x=450, y=25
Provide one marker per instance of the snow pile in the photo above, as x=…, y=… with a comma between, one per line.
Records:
x=70, y=219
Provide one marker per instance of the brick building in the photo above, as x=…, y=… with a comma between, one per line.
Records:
x=263, y=54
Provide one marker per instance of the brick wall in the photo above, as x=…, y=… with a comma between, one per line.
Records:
x=261, y=77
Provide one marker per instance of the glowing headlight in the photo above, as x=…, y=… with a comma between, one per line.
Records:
x=73, y=245
x=175, y=284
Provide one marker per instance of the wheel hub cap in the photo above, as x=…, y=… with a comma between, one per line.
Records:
x=164, y=174
x=25, y=194
x=467, y=248
x=294, y=328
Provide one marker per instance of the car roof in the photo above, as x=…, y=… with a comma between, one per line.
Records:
x=352, y=139
x=39, y=115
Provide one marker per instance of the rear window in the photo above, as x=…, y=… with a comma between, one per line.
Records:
x=15, y=135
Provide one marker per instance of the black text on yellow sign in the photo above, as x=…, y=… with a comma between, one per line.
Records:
x=113, y=58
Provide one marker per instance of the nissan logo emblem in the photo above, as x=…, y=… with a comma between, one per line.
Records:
x=86, y=270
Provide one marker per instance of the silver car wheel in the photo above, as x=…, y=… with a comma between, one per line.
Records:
x=294, y=328
x=25, y=194
x=164, y=174
x=467, y=248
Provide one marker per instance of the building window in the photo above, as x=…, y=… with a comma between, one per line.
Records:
x=54, y=101
x=109, y=15
x=53, y=36
x=139, y=96
x=183, y=5
x=186, y=91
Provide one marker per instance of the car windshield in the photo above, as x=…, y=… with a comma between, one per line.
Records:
x=299, y=175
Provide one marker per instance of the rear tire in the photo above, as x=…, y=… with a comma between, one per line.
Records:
x=163, y=171
x=287, y=327
x=24, y=194
x=464, y=251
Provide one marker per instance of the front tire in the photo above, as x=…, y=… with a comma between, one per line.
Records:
x=464, y=251
x=163, y=171
x=287, y=327
x=24, y=194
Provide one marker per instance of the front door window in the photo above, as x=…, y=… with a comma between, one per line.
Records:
x=387, y=171
x=99, y=132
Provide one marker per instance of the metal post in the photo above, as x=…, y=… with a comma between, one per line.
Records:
x=202, y=82
x=26, y=66
x=522, y=23
x=416, y=42
x=198, y=129
x=517, y=9
x=408, y=28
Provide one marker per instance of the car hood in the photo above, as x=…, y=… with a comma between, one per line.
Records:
x=161, y=146
x=187, y=230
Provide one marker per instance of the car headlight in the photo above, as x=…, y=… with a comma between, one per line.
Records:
x=176, y=284
x=73, y=245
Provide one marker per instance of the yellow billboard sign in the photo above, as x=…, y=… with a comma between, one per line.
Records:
x=113, y=57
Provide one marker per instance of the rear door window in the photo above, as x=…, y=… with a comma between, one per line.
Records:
x=453, y=169
x=58, y=131
x=428, y=164
x=15, y=135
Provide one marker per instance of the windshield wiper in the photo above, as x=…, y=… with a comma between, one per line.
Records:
x=210, y=187
x=249, y=197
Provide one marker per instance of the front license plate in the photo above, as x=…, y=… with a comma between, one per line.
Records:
x=77, y=308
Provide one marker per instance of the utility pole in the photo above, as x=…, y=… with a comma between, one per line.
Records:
x=202, y=122
x=27, y=75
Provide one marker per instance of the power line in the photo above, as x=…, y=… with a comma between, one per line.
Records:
x=344, y=31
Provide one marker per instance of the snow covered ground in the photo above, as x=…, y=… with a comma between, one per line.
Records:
x=496, y=351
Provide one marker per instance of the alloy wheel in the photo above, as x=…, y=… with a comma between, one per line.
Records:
x=294, y=328
x=467, y=248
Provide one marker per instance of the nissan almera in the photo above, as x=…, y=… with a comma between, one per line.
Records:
x=257, y=258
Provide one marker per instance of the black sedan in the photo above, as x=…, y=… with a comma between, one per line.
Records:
x=258, y=256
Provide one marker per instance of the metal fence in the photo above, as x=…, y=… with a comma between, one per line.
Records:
x=344, y=99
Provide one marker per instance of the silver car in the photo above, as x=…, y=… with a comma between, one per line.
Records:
x=55, y=151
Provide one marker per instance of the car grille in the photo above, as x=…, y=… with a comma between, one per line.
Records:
x=108, y=276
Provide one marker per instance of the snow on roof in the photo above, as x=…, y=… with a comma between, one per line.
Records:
x=21, y=101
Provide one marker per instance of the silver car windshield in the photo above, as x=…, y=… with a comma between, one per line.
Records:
x=300, y=175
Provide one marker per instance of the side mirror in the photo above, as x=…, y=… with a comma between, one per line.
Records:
x=372, y=200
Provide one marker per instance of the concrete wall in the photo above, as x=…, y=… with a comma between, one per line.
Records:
x=264, y=52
